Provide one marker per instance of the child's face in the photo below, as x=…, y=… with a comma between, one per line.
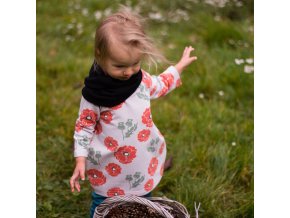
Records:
x=122, y=63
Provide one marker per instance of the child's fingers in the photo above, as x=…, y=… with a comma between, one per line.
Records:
x=193, y=58
x=82, y=174
x=77, y=185
x=71, y=182
x=74, y=178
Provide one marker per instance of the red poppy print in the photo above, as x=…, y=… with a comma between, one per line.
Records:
x=113, y=169
x=147, y=80
x=111, y=143
x=178, y=83
x=125, y=154
x=167, y=79
x=143, y=135
x=147, y=118
x=106, y=116
x=79, y=126
x=152, y=166
x=115, y=192
x=153, y=90
x=98, y=128
x=149, y=185
x=88, y=117
x=163, y=91
x=96, y=177
x=117, y=106
x=161, y=148
x=162, y=169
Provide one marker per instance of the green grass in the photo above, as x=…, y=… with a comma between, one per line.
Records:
x=199, y=131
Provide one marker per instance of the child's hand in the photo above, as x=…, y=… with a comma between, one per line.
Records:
x=79, y=172
x=185, y=59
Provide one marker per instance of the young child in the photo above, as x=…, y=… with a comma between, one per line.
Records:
x=116, y=142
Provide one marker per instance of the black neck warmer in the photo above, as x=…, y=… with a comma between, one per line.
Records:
x=103, y=90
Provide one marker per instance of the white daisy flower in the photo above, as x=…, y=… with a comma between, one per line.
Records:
x=248, y=69
x=239, y=61
x=201, y=95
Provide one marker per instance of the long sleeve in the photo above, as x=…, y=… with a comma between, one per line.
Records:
x=88, y=116
x=164, y=83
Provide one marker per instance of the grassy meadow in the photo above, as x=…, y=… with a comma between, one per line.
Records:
x=208, y=122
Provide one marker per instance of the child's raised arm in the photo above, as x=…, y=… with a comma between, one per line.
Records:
x=170, y=79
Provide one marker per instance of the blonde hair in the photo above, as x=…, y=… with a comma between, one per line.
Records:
x=127, y=28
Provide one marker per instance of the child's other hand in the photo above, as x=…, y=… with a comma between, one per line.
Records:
x=185, y=59
x=78, y=173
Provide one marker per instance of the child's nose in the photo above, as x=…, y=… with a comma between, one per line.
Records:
x=129, y=72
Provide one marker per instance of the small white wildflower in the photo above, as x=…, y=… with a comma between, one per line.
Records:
x=234, y=144
x=155, y=16
x=201, y=95
x=231, y=42
x=98, y=15
x=85, y=12
x=249, y=60
x=248, y=69
x=70, y=26
x=239, y=61
x=221, y=93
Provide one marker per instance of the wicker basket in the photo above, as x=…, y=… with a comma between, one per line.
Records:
x=134, y=206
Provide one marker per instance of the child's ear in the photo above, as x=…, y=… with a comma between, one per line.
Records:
x=98, y=52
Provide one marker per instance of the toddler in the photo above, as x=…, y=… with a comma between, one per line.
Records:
x=116, y=142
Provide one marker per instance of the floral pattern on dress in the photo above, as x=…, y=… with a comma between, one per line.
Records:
x=117, y=106
x=161, y=148
x=94, y=156
x=106, y=116
x=96, y=177
x=147, y=118
x=128, y=126
x=79, y=126
x=153, y=143
x=116, y=191
x=149, y=185
x=113, y=169
x=125, y=154
x=153, y=90
x=98, y=128
x=88, y=117
x=135, y=180
x=153, y=166
x=111, y=143
x=167, y=79
x=143, y=93
x=143, y=135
